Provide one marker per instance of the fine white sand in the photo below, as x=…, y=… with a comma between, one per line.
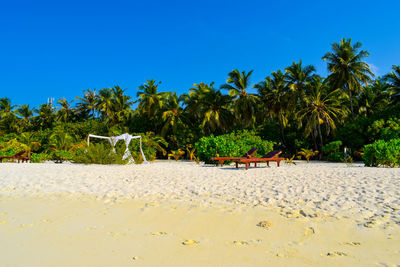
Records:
x=318, y=213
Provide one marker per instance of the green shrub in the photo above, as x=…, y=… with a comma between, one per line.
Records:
x=332, y=152
x=98, y=154
x=231, y=145
x=60, y=156
x=39, y=157
x=382, y=153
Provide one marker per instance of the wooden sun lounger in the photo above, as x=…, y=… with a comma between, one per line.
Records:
x=271, y=156
x=247, y=155
x=18, y=156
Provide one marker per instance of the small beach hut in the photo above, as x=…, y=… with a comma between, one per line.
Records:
x=127, y=138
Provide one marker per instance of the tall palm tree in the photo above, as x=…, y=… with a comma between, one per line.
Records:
x=212, y=107
x=30, y=142
x=88, y=103
x=121, y=105
x=46, y=115
x=323, y=107
x=393, y=79
x=150, y=100
x=25, y=112
x=66, y=111
x=245, y=104
x=6, y=108
x=348, y=70
x=105, y=103
x=298, y=77
x=172, y=114
x=276, y=95
x=374, y=98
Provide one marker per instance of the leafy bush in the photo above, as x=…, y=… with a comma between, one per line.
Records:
x=59, y=156
x=382, y=153
x=231, y=145
x=332, y=152
x=39, y=157
x=385, y=129
x=98, y=154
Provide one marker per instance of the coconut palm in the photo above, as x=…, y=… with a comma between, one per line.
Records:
x=88, y=103
x=6, y=108
x=322, y=107
x=298, y=77
x=276, y=96
x=66, y=111
x=29, y=141
x=46, y=115
x=348, y=70
x=211, y=108
x=393, y=78
x=245, y=104
x=150, y=100
x=172, y=114
x=105, y=103
x=374, y=98
x=121, y=105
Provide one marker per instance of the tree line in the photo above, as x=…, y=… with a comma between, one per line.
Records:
x=295, y=107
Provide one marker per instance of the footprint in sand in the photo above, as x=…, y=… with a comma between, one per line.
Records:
x=190, y=242
x=353, y=244
x=158, y=233
x=335, y=254
x=265, y=224
x=309, y=231
x=240, y=243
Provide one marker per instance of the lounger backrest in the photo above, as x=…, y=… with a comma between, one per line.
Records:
x=20, y=153
x=272, y=154
x=250, y=152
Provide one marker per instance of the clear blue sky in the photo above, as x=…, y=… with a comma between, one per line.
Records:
x=60, y=48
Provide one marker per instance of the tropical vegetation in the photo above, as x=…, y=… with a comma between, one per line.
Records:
x=293, y=109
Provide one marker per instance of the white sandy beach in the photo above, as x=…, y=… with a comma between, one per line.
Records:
x=315, y=214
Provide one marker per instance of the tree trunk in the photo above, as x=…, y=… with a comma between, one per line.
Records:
x=314, y=138
x=351, y=103
x=320, y=139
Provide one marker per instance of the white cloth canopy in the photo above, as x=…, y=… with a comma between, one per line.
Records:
x=127, y=139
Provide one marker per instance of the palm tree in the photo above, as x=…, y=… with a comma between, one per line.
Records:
x=65, y=112
x=245, y=104
x=46, y=115
x=88, y=103
x=298, y=77
x=26, y=114
x=172, y=114
x=105, y=103
x=150, y=100
x=6, y=108
x=348, y=70
x=275, y=94
x=322, y=108
x=393, y=79
x=121, y=105
x=213, y=108
x=374, y=98
x=29, y=141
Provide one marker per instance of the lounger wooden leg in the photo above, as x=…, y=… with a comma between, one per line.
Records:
x=237, y=165
x=278, y=162
x=247, y=166
x=268, y=163
x=255, y=164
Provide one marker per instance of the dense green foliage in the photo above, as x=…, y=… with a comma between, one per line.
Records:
x=382, y=153
x=234, y=144
x=331, y=151
x=98, y=154
x=294, y=107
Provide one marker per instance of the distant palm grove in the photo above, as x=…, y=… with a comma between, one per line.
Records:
x=294, y=107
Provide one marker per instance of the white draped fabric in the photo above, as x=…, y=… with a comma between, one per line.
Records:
x=127, y=139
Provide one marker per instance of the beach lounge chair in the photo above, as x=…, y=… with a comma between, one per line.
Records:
x=247, y=155
x=271, y=156
x=18, y=156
